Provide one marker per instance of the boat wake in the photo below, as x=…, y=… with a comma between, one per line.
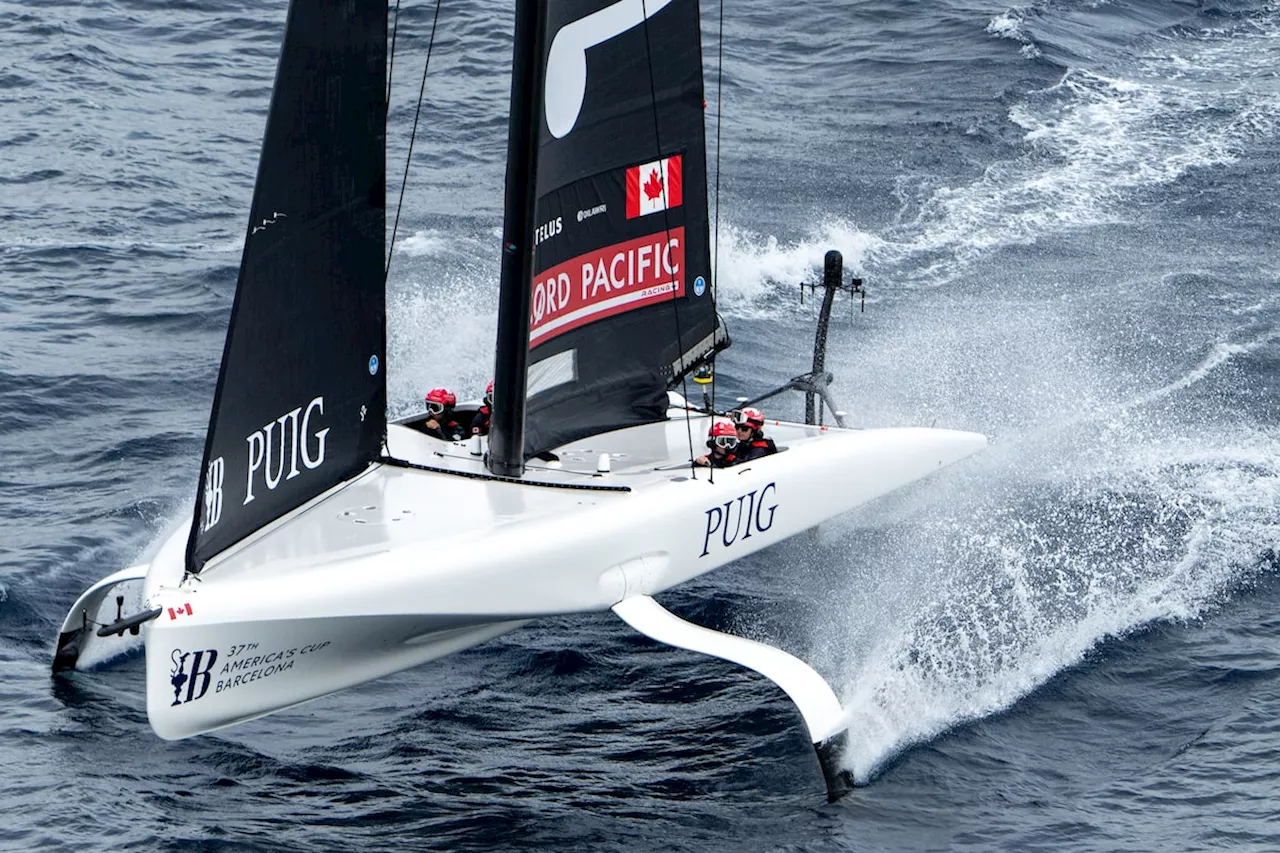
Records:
x=1221, y=354
x=963, y=600
x=440, y=321
x=1112, y=127
x=755, y=269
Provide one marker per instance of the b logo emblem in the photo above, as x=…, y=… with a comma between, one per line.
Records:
x=213, y=492
x=192, y=670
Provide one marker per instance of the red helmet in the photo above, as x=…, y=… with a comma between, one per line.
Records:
x=722, y=434
x=488, y=394
x=748, y=417
x=439, y=399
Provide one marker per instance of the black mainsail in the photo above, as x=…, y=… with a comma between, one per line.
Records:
x=619, y=298
x=301, y=396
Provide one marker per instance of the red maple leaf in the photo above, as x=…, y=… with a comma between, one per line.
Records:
x=653, y=186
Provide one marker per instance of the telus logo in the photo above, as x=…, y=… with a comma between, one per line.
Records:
x=547, y=230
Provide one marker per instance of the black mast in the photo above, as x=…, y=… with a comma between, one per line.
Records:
x=506, y=435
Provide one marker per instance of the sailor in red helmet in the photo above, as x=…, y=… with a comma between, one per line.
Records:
x=722, y=439
x=480, y=423
x=752, y=443
x=441, y=423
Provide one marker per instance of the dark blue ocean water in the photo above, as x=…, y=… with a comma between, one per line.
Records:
x=1066, y=215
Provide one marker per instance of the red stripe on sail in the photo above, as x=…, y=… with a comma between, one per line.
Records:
x=633, y=192
x=675, y=182
x=608, y=281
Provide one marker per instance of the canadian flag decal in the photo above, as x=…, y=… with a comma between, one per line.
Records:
x=654, y=187
x=184, y=610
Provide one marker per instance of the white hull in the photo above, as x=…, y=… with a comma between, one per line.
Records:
x=400, y=566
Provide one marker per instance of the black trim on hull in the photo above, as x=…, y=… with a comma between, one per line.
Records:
x=473, y=475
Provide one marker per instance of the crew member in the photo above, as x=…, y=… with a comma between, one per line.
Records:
x=752, y=442
x=440, y=422
x=722, y=439
x=480, y=423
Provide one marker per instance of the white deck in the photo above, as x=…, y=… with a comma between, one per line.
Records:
x=390, y=508
x=400, y=565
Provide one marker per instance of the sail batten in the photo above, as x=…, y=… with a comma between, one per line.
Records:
x=301, y=398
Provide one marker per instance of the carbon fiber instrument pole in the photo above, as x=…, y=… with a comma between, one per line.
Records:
x=832, y=276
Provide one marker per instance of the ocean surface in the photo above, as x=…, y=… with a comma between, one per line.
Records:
x=1066, y=215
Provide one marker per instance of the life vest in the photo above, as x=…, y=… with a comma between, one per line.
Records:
x=725, y=461
x=755, y=448
x=448, y=429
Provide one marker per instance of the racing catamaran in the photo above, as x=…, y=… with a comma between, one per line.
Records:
x=304, y=568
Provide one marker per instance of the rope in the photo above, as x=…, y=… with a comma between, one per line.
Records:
x=715, y=240
x=391, y=60
x=413, y=135
x=666, y=227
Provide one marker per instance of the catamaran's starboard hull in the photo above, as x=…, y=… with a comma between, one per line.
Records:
x=402, y=566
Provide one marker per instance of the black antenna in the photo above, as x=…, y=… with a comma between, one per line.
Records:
x=832, y=281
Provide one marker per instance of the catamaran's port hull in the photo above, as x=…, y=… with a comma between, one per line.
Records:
x=229, y=673
x=402, y=566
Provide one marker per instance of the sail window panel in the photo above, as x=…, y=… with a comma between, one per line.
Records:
x=553, y=371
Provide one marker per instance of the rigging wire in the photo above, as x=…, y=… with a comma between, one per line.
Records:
x=408, y=157
x=666, y=227
x=715, y=240
x=391, y=60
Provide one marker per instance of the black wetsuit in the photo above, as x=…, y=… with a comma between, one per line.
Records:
x=754, y=448
x=722, y=461
x=480, y=423
x=447, y=428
